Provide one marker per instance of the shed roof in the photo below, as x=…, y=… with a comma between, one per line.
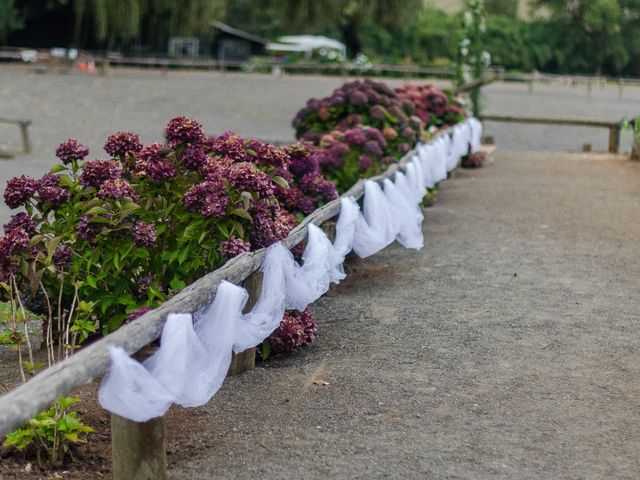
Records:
x=237, y=32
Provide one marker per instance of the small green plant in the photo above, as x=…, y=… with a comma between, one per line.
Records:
x=51, y=433
x=633, y=125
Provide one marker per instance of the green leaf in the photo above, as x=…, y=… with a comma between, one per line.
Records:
x=58, y=168
x=241, y=213
x=177, y=284
x=280, y=182
x=91, y=281
x=52, y=245
x=97, y=211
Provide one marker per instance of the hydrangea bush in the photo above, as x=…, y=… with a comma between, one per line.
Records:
x=436, y=108
x=361, y=103
x=364, y=126
x=98, y=242
x=105, y=240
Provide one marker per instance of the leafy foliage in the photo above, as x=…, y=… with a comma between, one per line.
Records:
x=51, y=433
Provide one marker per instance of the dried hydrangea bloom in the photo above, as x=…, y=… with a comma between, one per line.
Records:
x=19, y=190
x=390, y=133
x=122, y=143
x=71, y=150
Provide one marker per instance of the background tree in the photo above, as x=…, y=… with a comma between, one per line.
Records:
x=10, y=18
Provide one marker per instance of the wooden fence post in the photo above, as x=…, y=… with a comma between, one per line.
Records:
x=26, y=141
x=614, y=138
x=241, y=362
x=138, y=450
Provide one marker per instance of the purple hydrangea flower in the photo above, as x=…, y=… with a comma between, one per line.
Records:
x=21, y=220
x=303, y=159
x=19, y=191
x=160, y=170
x=144, y=234
x=194, y=157
x=373, y=148
x=357, y=97
x=270, y=223
x=229, y=145
x=182, y=130
x=62, y=256
x=233, y=247
x=115, y=189
x=355, y=136
x=122, y=144
x=148, y=153
x=96, y=172
x=328, y=190
x=71, y=150
x=50, y=191
x=378, y=112
x=11, y=244
x=88, y=230
x=246, y=176
x=296, y=330
x=53, y=196
x=209, y=198
x=364, y=162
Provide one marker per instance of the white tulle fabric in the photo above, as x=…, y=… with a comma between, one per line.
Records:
x=195, y=351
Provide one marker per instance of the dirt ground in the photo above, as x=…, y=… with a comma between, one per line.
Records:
x=506, y=349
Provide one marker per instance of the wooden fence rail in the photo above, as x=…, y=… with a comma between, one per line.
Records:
x=22, y=403
x=613, y=127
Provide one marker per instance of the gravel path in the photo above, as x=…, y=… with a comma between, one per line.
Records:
x=506, y=349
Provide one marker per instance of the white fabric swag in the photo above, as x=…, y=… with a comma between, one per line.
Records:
x=195, y=353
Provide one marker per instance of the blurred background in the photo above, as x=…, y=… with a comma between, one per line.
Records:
x=88, y=68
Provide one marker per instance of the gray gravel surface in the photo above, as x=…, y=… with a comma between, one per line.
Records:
x=506, y=349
